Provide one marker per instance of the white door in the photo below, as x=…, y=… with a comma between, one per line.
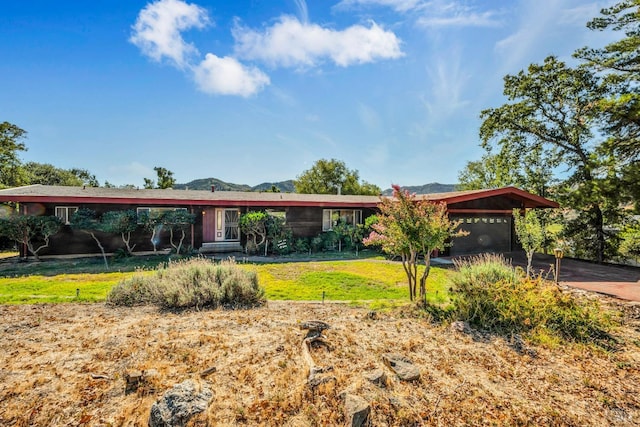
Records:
x=227, y=225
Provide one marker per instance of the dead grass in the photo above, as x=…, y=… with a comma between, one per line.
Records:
x=50, y=352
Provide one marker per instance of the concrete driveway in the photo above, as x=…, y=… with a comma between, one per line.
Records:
x=617, y=281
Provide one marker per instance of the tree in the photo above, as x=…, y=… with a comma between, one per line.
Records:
x=530, y=233
x=332, y=177
x=254, y=225
x=553, y=108
x=410, y=227
x=86, y=221
x=165, y=179
x=123, y=223
x=30, y=230
x=11, y=173
x=177, y=221
x=620, y=61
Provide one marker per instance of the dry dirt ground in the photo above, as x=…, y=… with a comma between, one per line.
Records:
x=65, y=365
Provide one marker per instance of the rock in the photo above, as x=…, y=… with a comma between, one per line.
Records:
x=459, y=326
x=402, y=366
x=357, y=410
x=178, y=405
x=378, y=377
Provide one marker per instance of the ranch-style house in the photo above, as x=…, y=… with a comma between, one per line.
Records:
x=485, y=214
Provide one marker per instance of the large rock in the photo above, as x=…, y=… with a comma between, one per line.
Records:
x=377, y=377
x=357, y=410
x=402, y=366
x=178, y=405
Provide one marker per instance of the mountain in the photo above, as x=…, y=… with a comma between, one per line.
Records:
x=288, y=187
x=206, y=183
x=434, y=187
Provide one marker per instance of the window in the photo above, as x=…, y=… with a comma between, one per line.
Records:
x=65, y=213
x=154, y=212
x=330, y=217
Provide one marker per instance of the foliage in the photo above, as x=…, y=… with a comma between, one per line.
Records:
x=531, y=171
x=177, y=221
x=253, y=225
x=122, y=223
x=552, y=109
x=86, y=221
x=333, y=177
x=47, y=174
x=489, y=293
x=530, y=233
x=195, y=283
x=165, y=179
x=630, y=246
x=31, y=230
x=11, y=137
x=410, y=227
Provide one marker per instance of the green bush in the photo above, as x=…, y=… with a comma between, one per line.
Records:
x=191, y=283
x=490, y=294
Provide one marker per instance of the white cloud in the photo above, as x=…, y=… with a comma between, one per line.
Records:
x=397, y=5
x=157, y=31
x=435, y=13
x=461, y=18
x=227, y=76
x=303, y=12
x=290, y=43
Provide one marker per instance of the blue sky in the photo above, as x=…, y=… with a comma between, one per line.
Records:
x=258, y=90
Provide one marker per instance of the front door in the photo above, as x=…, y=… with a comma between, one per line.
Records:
x=226, y=225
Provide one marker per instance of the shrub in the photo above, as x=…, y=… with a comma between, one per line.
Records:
x=191, y=283
x=492, y=295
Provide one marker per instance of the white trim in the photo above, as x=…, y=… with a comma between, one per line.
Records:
x=65, y=213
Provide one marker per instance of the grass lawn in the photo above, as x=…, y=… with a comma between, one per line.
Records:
x=361, y=280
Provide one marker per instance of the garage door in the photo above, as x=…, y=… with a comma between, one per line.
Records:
x=486, y=234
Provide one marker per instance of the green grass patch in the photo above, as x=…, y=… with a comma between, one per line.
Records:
x=344, y=281
x=59, y=288
x=360, y=280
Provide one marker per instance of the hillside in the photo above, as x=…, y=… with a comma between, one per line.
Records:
x=288, y=187
x=434, y=187
x=206, y=183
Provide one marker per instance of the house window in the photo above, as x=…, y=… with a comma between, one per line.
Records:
x=331, y=217
x=153, y=212
x=65, y=213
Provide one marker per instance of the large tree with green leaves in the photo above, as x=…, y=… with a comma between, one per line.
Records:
x=30, y=230
x=410, y=227
x=165, y=179
x=11, y=143
x=553, y=108
x=333, y=177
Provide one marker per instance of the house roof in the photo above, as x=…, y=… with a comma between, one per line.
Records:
x=76, y=195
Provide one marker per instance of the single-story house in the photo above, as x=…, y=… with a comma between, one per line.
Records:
x=485, y=214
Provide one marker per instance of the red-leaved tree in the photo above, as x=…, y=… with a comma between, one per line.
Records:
x=410, y=227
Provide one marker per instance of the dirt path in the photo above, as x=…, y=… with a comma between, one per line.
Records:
x=65, y=364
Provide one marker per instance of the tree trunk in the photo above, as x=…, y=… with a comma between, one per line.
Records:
x=423, y=279
x=104, y=256
x=600, y=237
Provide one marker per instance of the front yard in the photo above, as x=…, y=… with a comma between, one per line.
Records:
x=83, y=281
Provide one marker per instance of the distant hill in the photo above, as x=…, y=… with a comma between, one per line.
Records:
x=288, y=187
x=434, y=187
x=206, y=183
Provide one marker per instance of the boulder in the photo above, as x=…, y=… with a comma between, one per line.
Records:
x=402, y=366
x=179, y=404
x=377, y=377
x=357, y=410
